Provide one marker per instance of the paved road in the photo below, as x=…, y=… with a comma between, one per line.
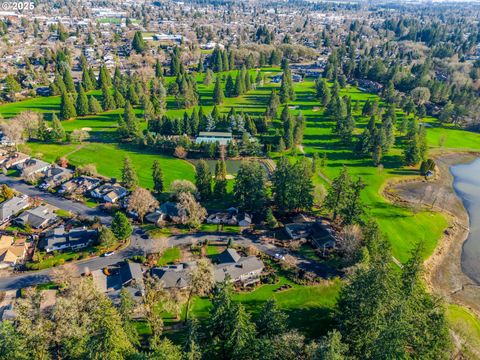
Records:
x=57, y=201
x=140, y=244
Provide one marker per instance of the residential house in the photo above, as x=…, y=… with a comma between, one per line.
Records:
x=11, y=252
x=5, y=141
x=243, y=269
x=32, y=167
x=228, y=217
x=54, y=176
x=174, y=276
x=79, y=185
x=244, y=220
x=128, y=275
x=110, y=193
x=298, y=231
x=37, y=218
x=9, y=160
x=61, y=239
x=167, y=211
x=12, y=206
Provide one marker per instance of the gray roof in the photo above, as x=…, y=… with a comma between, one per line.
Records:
x=169, y=208
x=121, y=275
x=12, y=206
x=74, y=237
x=173, y=276
x=235, y=270
x=228, y=256
x=37, y=217
x=32, y=166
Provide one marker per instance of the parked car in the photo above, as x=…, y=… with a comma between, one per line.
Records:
x=107, y=254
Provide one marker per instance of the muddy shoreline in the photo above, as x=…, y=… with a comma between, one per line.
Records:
x=443, y=269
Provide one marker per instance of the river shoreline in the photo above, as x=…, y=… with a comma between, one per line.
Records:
x=444, y=275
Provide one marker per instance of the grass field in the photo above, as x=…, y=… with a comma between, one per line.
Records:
x=467, y=326
x=108, y=159
x=403, y=228
x=309, y=308
x=169, y=256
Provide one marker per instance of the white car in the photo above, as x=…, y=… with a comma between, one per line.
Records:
x=110, y=253
x=279, y=256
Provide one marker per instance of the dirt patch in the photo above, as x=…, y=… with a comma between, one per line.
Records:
x=443, y=275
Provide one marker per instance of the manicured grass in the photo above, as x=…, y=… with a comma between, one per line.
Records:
x=403, y=228
x=310, y=308
x=169, y=256
x=108, y=159
x=466, y=325
x=309, y=252
x=215, y=228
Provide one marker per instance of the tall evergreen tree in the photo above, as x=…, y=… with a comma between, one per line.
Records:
x=67, y=109
x=129, y=175
x=203, y=180
x=157, y=176
x=57, y=133
x=218, y=92
x=82, y=102
x=220, y=184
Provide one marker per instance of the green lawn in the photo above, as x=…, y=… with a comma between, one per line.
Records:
x=108, y=159
x=466, y=325
x=310, y=308
x=169, y=256
x=403, y=228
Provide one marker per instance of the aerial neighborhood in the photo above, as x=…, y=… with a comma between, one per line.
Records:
x=254, y=180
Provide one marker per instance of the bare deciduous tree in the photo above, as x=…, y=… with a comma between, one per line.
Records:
x=200, y=281
x=142, y=202
x=350, y=241
x=190, y=212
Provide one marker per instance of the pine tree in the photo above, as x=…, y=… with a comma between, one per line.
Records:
x=203, y=180
x=286, y=87
x=322, y=91
x=220, y=185
x=108, y=102
x=229, y=87
x=86, y=81
x=138, y=44
x=94, y=106
x=218, y=92
x=272, y=106
x=129, y=175
x=121, y=227
x=131, y=121
x=57, y=133
x=194, y=122
x=175, y=62
x=104, y=79
x=68, y=80
x=157, y=176
x=82, y=102
x=158, y=69
x=239, y=84
x=336, y=197
x=67, y=110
